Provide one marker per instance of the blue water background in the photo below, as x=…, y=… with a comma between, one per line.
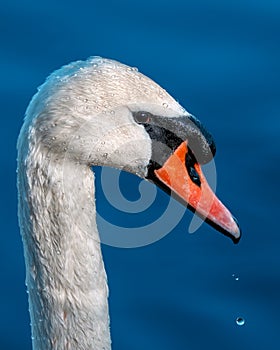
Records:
x=221, y=60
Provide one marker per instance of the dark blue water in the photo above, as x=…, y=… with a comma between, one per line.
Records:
x=220, y=59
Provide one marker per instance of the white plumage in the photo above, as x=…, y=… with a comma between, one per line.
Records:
x=81, y=116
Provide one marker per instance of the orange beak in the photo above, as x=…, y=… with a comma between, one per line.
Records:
x=198, y=196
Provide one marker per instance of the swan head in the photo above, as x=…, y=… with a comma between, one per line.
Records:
x=102, y=112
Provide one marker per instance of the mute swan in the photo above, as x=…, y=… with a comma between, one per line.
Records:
x=96, y=112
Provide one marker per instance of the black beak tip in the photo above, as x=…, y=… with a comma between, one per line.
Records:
x=236, y=239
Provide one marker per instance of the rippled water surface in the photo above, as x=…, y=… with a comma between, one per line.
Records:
x=220, y=59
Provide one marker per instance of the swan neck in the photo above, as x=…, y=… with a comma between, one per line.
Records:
x=65, y=274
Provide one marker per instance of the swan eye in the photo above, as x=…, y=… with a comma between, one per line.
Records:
x=142, y=117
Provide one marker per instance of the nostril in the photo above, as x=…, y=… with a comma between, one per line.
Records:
x=194, y=176
x=190, y=161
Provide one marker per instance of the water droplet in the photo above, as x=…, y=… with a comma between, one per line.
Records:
x=235, y=277
x=53, y=138
x=165, y=105
x=112, y=112
x=58, y=252
x=240, y=321
x=105, y=155
x=103, y=143
x=183, y=110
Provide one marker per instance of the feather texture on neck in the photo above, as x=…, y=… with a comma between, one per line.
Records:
x=66, y=278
